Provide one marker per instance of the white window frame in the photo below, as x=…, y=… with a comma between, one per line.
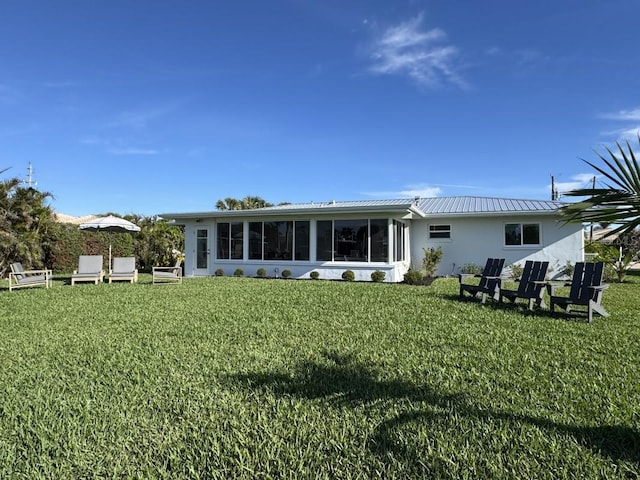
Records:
x=437, y=238
x=522, y=244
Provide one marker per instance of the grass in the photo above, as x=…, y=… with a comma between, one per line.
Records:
x=245, y=378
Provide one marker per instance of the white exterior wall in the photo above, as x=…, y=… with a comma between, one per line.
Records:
x=474, y=239
x=394, y=271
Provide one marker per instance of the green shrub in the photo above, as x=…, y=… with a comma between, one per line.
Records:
x=414, y=277
x=315, y=275
x=568, y=269
x=238, y=272
x=516, y=271
x=286, y=273
x=378, y=276
x=348, y=275
x=219, y=272
x=261, y=272
x=431, y=260
x=471, y=268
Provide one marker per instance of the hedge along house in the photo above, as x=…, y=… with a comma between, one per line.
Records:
x=386, y=235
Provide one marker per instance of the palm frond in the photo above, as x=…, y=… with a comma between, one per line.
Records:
x=619, y=203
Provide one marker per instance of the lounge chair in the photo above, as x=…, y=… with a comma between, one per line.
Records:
x=167, y=274
x=586, y=290
x=531, y=285
x=89, y=270
x=124, y=269
x=490, y=280
x=19, y=277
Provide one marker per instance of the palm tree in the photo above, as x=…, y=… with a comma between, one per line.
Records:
x=247, y=203
x=24, y=220
x=228, y=204
x=619, y=202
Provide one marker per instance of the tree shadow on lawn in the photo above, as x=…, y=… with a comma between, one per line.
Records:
x=342, y=380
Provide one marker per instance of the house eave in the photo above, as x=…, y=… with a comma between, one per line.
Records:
x=404, y=211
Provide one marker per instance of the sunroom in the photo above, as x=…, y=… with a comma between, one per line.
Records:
x=328, y=238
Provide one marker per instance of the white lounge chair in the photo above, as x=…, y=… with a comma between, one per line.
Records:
x=168, y=274
x=89, y=270
x=124, y=269
x=19, y=277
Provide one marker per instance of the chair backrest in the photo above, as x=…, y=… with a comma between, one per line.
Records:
x=533, y=272
x=18, y=271
x=124, y=264
x=493, y=268
x=177, y=267
x=585, y=275
x=90, y=264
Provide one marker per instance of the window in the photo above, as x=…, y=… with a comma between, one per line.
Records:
x=324, y=240
x=522, y=234
x=359, y=240
x=379, y=240
x=276, y=240
x=351, y=240
x=301, y=241
x=399, y=241
x=439, y=232
x=255, y=240
x=229, y=241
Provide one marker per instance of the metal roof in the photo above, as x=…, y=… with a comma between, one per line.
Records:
x=420, y=206
x=484, y=205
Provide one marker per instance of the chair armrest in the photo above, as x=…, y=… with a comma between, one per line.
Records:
x=599, y=287
x=37, y=272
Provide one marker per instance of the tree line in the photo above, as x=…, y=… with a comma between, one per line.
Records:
x=30, y=234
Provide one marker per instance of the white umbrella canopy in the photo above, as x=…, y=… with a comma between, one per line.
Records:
x=110, y=224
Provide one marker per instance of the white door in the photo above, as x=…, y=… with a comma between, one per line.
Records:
x=202, y=252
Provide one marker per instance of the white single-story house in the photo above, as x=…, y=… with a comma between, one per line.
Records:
x=369, y=235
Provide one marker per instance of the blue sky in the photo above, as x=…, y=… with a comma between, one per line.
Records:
x=167, y=106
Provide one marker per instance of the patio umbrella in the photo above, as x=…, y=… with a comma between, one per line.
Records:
x=110, y=224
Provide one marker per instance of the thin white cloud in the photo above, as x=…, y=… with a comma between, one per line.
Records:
x=133, y=151
x=409, y=191
x=420, y=191
x=580, y=180
x=140, y=119
x=627, y=115
x=407, y=49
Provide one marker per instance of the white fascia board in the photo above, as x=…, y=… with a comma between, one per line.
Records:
x=292, y=212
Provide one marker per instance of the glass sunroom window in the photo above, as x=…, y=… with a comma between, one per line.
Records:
x=302, y=240
x=229, y=240
x=379, y=240
x=278, y=244
x=351, y=240
x=222, y=241
x=399, y=241
x=237, y=240
x=256, y=240
x=324, y=240
x=279, y=240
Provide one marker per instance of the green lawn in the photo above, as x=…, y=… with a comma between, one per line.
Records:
x=247, y=378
